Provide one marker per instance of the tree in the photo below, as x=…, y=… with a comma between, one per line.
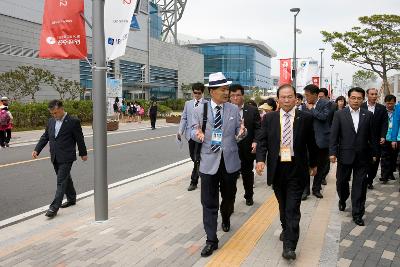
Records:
x=61, y=85
x=32, y=78
x=362, y=78
x=373, y=46
x=11, y=84
x=75, y=90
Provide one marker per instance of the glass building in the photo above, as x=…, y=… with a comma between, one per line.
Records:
x=243, y=61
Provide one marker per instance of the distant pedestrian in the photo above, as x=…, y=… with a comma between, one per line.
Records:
x=131, y=112
x=299, y=102
x=5, y=126
x=64, y=133
x=185, y=128
x=153, y=113
x=352, y=144
x=116, y=109
x=266, y=106
x=324, y=94
x=340, y=102
x=123, y=110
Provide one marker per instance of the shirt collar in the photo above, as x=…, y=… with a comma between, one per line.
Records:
x=213, y=104
x=62, y=119
x=372, y=106
x=292, y=112
x=354, y=111
x=200, y=100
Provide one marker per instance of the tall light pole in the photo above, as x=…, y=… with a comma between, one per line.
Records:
x=331, y=78
x=99, y=113
x=294, y=67
x=341, y=85
x=321, y=67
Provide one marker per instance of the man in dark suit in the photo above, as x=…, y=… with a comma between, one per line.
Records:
x=247, y=147
x=351, y=140
x=319, y=109
x=299, y=102
x=287, y=141
x=64, y=133
x=380, y=127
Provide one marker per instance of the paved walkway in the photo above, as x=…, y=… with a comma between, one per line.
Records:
x=156, y=222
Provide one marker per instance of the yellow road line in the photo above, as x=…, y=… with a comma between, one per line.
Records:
x=91, y=149
x=238, y=248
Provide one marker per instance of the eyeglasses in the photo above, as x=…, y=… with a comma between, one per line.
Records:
x=197, y=93
x=354, y=98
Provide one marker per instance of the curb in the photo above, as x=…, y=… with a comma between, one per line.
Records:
x=33, y=213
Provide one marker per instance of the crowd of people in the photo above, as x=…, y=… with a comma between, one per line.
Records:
x=294, y=137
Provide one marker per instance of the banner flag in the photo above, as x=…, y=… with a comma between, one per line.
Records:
x=285, y=71
x=117, y=22
x=315, y=81
x=63, y=33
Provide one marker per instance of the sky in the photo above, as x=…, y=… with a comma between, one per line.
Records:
x=272, y=22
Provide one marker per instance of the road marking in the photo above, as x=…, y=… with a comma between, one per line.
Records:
x=91, y=149
x=38, y=211
x=237, y=249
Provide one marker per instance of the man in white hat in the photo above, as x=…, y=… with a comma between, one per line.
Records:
x=219, y=156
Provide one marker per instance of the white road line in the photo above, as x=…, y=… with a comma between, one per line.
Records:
x=29, y=214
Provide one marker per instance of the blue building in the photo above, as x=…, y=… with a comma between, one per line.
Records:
x=243, y=61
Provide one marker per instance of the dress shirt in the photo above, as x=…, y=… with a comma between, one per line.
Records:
x=371, y=107
x=241, y=111
x=292, y=115
x=57, y=127
x=197, y=101
x=214, y=109
x=355, y=116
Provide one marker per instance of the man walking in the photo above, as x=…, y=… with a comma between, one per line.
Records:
x=287, y=141
x=319, y=109
x=219, y=157
x=380, y=122
x=185, y=129
x=64, y=133
x=247, y=147
x=351, y=140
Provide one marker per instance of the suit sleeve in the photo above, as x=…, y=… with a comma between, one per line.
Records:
x=396, y=122
x=183, y=123
x=311, y=144
x=262, y=141
x=385, y=124
x=80, y=140
x=44, y=139
x=322, y=114
x=334, y=137
x=196, y=123
x=256, y=124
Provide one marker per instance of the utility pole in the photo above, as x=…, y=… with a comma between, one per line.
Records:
x=294, y=67
x=331, y=78
x=99, y=72
x=321, y=67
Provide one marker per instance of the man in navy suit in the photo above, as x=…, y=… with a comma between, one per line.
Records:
x=185, y=129
x=64, y=133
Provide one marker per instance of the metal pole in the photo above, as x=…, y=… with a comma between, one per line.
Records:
x=320, y=72
x=99, y=113
x=341, y=85
x=294, y=56
x=148, y=53
x=331, y=79
x=176, y=21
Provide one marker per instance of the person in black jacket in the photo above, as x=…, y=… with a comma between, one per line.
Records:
x=351, y=140
x=380, y=121
x=247, y=146
x=153, y=114
x=64, y=133
x=287, y=141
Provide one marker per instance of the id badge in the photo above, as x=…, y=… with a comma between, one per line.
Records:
x=390, y=125
x=216, y=137
x=286, y=154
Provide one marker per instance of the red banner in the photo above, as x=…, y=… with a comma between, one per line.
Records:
x=285, y=71
x=315, y=81
x=63, y=31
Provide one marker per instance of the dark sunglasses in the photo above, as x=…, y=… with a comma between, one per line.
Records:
x=197, y=93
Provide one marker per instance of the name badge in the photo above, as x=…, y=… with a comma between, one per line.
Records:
x=390, y=125
x=286, y=154
x=216, y=137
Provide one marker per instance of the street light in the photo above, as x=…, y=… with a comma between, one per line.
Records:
x=294, y=74
x=331, y=78
x=320, y=73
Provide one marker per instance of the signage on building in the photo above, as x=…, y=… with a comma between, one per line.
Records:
x=117, y=22
x=113, y=90
x=285, y=71
x=63, y=33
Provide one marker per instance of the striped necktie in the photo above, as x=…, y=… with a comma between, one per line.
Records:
x=287, y=130
x=217, y=125
x=197, y=103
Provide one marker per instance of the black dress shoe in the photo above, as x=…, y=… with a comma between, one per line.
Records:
x=289, y=254
x=342, y=206
x=359, y=221
x=192, y=187
x=371, y=186
x=67, y=204
x=208, y=249
x=51, y=213
x=391, y=176
x=323, y=182
x=226, y=226
x=304, y=197
x=282, y=236
x=318, y=194
x=249, y=202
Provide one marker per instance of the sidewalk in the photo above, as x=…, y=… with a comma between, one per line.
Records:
x=157, y=222
x=26, y=137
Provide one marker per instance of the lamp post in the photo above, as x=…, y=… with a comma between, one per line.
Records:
x=331, y=78
x=321, y=67
x=341, y=85
x=294, y=70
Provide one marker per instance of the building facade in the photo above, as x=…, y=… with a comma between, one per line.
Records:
x=149, y=68
x=243, y=61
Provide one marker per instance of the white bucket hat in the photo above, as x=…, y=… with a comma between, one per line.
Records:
x=4, y=98
x=217, y=80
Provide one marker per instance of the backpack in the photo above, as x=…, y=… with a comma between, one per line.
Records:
x=4, y=118
x=141, y=111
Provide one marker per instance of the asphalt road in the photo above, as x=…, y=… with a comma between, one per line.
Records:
x=26, y=185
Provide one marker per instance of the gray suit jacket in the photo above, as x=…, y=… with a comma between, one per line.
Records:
x=185, y=125
x=209, y=161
